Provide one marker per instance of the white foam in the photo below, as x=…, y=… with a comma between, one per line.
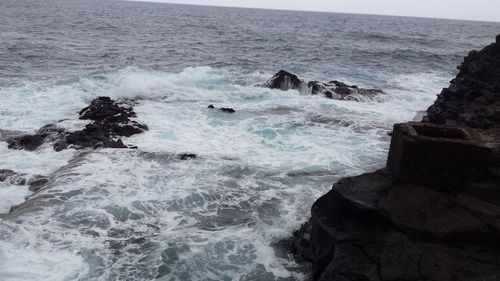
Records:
x=12, y=195
x=118, y=214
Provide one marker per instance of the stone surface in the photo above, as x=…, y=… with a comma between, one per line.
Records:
x=433, y=214
x=284, y=80
x=110, y=121
x=442, y=157
x=473, y=98
x=367, y=228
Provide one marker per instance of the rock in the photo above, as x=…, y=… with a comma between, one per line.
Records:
x=186, y=156
x=111, y=120
x=473, y=98
x=367, y=228
x=434, y=212
x=227, y=109
x=14, y=178
x=284, y=80
x=27, y=142
x=223, y=109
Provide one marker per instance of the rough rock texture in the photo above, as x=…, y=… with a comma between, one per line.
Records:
x=433, y=214
x=285, y=81
x=396, y=224
x=110, y=121
x=473, y=98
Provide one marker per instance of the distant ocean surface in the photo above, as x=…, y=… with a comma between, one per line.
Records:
x=139, y=214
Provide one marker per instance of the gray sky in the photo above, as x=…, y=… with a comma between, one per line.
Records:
x=487, y=10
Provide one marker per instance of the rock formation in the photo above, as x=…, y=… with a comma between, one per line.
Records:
x=433, y=213
x=110, y=121
x=473, y=96
x=285, y=81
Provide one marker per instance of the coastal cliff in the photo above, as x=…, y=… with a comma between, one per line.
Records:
x=433, y=213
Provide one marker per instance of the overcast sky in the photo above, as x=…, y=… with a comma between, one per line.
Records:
x=487, y=10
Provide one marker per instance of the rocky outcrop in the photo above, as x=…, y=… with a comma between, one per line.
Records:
x=110, y=121
x=285, y=81
x=473, y=98
x=432, y=214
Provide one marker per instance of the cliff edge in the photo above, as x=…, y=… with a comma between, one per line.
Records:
x=434, y=212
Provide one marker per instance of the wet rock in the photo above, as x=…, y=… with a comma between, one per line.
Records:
x=223, y=109
x=14, y=178
x=227, y=109
x=27, y=142
x=186, y=156
x=110, y=121
x=5, y=174
x=284, y=80
x=473, y=98
x=434, y=212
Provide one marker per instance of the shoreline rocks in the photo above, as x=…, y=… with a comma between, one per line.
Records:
x=284, y=80
x=434, y=212
x=473, y=97
x=110, y=121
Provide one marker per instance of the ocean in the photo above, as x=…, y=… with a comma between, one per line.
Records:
x=142, y=214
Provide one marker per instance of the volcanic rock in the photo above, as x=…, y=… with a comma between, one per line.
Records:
x=111, y=120
x=285, y=81
x=473, y=98
x=434, y=212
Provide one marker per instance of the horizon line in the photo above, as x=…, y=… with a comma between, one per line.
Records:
x=312, y=11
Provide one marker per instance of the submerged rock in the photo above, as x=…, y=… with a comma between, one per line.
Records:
x=473, y=98
x=223, y=109
x=227, y=109
x=111, y=120
x=186, y=156
x=11, y=177
x=285, y=81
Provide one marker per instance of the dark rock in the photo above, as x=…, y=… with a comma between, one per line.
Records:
x=186, y=156
x=5, y=174
x=473, y=98
x=211, y=106
x=14, y=178
x=227, y=109
x=111, y=120
x=26, y=142
x=284, y=80
x=434, y=212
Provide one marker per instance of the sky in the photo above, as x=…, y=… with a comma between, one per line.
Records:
x=483, y=10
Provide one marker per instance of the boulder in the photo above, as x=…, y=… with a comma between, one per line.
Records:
x=284, y=80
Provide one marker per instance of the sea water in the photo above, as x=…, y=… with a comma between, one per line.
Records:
x=142, y=214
